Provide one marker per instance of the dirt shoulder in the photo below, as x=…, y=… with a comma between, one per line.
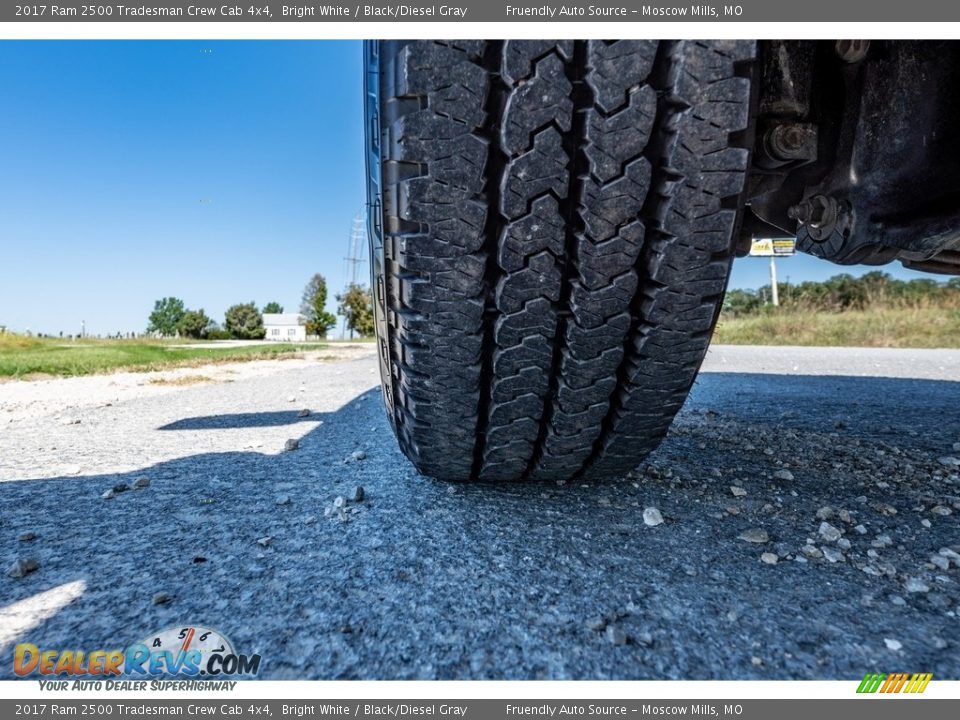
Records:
x=41, y=397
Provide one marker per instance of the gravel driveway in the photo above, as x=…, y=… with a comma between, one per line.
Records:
x=799, y=522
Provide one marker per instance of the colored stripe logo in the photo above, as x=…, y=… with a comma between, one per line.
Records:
x=894, y=683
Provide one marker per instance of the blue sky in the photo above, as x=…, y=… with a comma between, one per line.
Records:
x=218, y=172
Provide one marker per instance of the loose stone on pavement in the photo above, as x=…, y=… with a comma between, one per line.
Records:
x=22, y=567
x=755, y=535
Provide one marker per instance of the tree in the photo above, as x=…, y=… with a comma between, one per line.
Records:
x=194, y=324
x=245, y=322
x=313, y=306
x=356, y=305
x=167, y=314
x=272, y=308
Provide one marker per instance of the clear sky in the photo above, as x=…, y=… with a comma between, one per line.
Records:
x=218, y=172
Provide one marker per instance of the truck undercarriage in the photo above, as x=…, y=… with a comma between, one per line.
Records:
x=856, y=151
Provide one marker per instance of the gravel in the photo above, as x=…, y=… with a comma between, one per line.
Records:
x=472, y=582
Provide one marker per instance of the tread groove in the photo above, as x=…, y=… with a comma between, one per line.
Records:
x=496, y=162
x=579, y=166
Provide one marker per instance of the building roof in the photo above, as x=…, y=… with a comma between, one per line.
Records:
x=289, y=319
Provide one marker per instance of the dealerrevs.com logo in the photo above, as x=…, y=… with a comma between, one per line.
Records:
x=887, y=683
x=193, y=652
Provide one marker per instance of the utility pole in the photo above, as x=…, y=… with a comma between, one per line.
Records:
x=774, y=292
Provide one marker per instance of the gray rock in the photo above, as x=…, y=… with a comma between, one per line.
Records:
x=737, y=491
x=652, y=517
x=310, y=520
x=860, y=529
x=892, y=644
x=304, y=413
x=597, y=624
x=358, y=455
x=783, y=475
x=811, y=551
x=616, y=636
x=284, y=500
x=141, y=482
x=951, y=555
x=291, y=445
x=120, y=488
x=949, y=461
x=828, y=532
x=833, y=556
x=265, y=541
x=109, y=494
x=22, y=567
x=162, y=598
x=941, y=562
x=339, y=502
x=843, y=544
x=29, y=535
x=916, y=585
x=754, y=535
x=769, y=558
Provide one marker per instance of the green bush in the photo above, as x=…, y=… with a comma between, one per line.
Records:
x=843, y=292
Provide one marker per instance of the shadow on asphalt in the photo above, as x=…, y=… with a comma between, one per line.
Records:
x=429, y=580
x=242, y=420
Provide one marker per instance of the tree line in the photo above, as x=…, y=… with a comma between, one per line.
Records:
x=244, y=321
x=845, y=292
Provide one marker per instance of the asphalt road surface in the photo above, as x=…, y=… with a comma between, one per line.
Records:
x=809, y=502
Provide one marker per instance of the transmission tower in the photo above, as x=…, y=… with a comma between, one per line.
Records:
x=356, y=256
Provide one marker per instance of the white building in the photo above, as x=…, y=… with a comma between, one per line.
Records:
x=285, y=327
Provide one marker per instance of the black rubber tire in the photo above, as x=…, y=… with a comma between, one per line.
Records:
x=552, y=227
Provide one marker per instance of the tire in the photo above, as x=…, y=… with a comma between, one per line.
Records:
x=552, y=227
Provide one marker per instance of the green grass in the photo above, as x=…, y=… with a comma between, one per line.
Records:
x=24, y=357
x=924, y=327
